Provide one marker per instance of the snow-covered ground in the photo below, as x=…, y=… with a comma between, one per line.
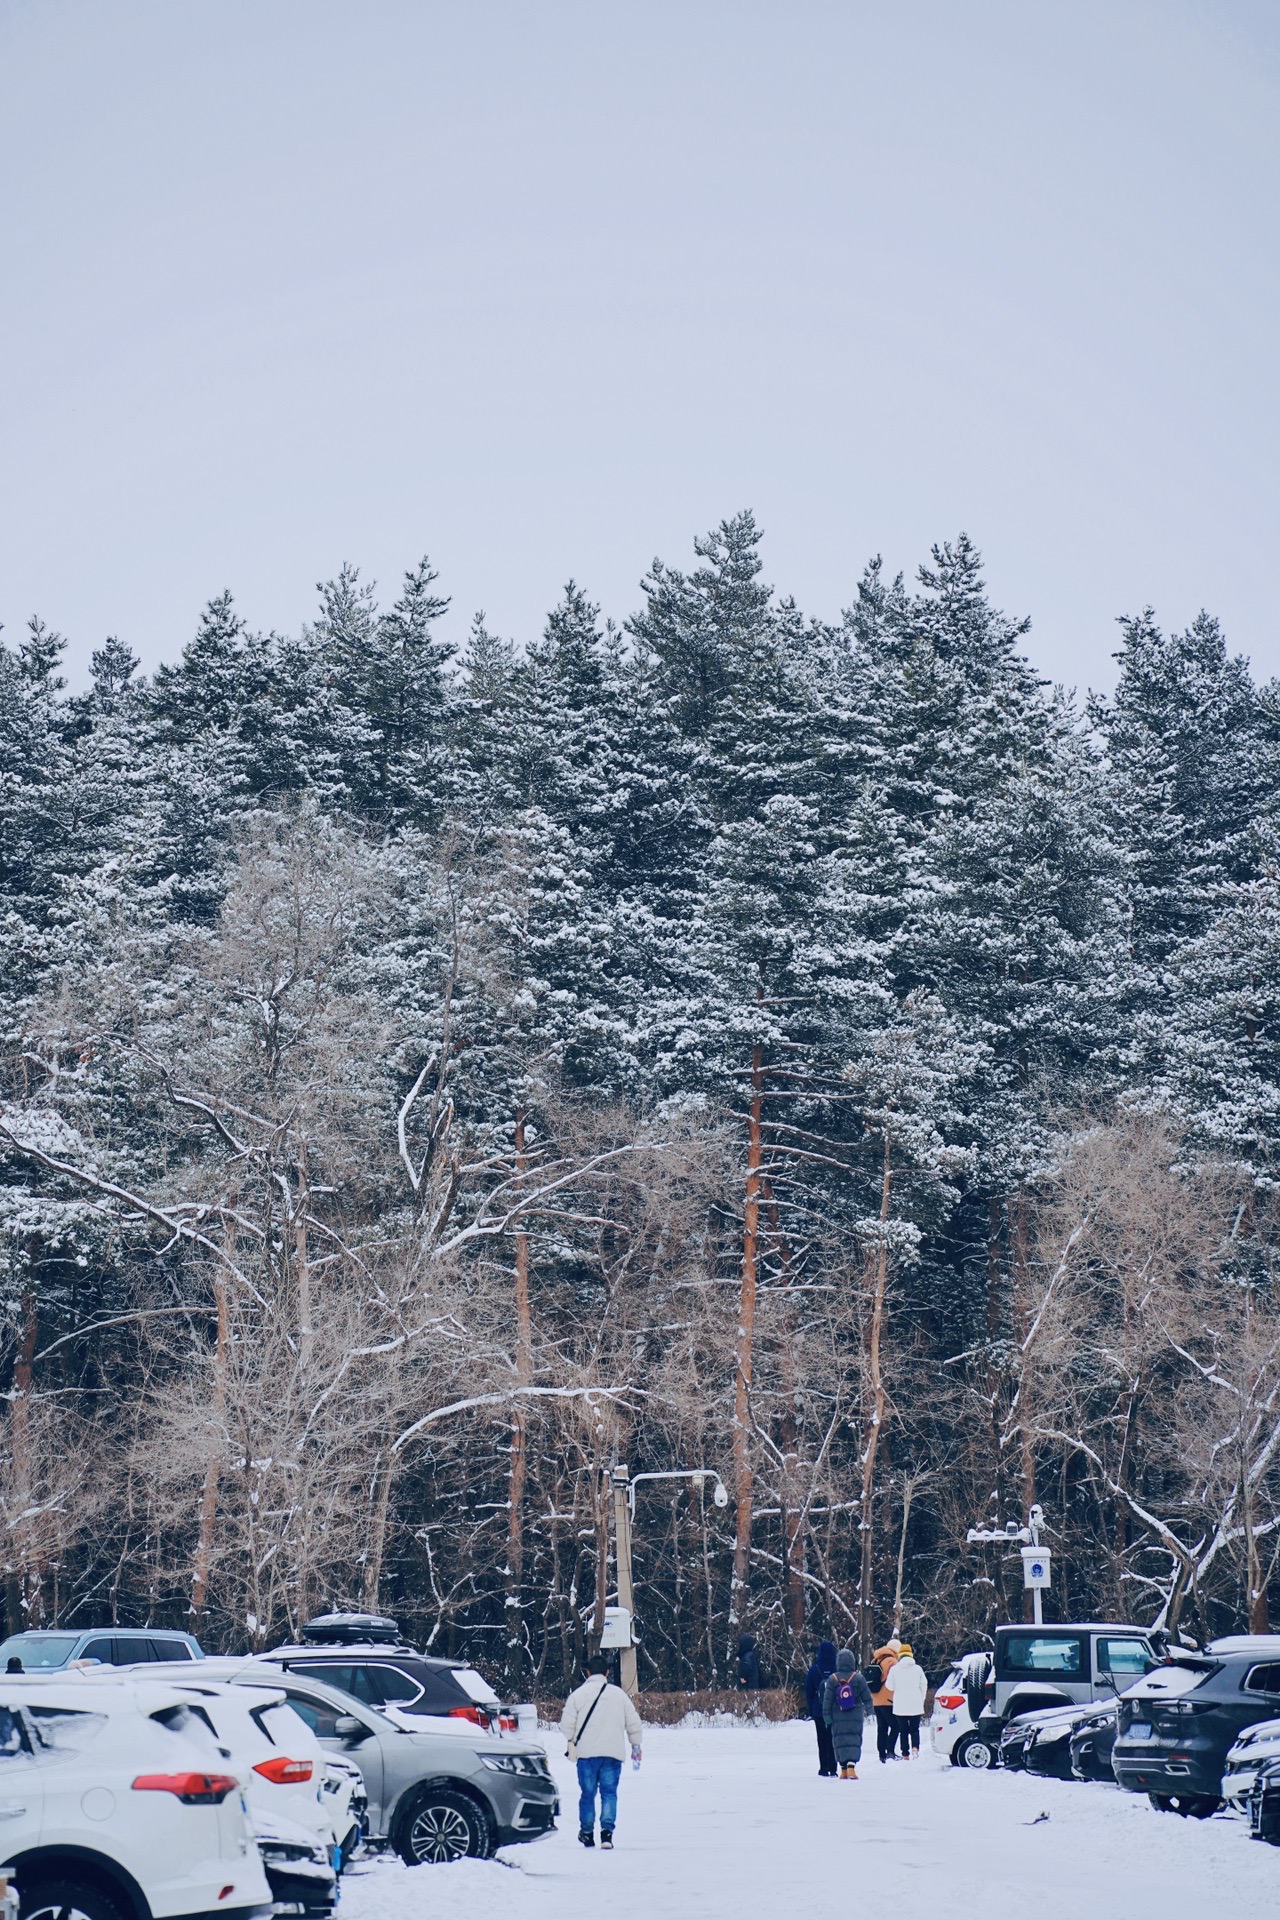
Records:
x=729, y=1823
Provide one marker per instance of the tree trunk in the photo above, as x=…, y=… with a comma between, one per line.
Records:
x=213, y=1465
x=746, y=1344
x=23, y=1585
x=875, y=1422
x=384, y=1475
x=519, y=1437
x=302, y=1261
x=908, y=1491
x=792, y=1497
x=1026, y=1449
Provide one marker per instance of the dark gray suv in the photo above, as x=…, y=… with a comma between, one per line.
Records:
x=1176, y=1727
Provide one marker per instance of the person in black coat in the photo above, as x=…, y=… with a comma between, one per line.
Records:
x=748, y=1664
x=824, y=1664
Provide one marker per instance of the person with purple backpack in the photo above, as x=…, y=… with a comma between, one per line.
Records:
x=846, y=1702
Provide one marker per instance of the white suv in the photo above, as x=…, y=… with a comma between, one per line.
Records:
x=110, y=1808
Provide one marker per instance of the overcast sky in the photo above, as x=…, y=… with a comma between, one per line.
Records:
x=545, y=289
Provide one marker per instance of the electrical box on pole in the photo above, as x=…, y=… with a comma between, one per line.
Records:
x=617, y=1629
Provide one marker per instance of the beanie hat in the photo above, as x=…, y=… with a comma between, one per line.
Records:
x=845, y=1662
x=904, y=1651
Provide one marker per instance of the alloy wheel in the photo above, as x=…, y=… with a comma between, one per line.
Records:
x=439, y=1832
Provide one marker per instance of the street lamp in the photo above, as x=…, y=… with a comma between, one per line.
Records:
x=624, y=1506
x=1037, y=1561
x=719, y=1493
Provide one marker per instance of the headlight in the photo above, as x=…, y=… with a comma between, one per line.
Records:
x=286, y=1851
x=503, y=1762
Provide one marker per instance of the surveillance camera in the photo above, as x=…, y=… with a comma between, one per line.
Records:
x=721, y=1494
x=1012, y=1529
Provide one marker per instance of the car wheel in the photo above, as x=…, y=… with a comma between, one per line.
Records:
x=1195, y=1806
x=972, y=1751
x=441, y=1825
x=68, y=1900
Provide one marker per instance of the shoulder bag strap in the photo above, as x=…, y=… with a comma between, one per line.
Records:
x=604, y=1687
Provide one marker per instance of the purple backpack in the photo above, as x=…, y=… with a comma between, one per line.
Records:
x=847, y=1700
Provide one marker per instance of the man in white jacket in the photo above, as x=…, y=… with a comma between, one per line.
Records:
x=599, y=1724
x=908, y=1682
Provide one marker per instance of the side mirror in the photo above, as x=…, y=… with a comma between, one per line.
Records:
x=347, y=1727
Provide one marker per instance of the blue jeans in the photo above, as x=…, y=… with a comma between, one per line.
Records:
x=600, y=1775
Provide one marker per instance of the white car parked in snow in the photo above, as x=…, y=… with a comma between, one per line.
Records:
x=957, y=1703
x=1255, y=1746
x=275, y=1753
x=112, y=1808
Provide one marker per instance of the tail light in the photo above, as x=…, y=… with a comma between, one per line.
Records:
x=283, y=1772
x=193, y=1789
x=476, y=1715
x=508, y=1723
x=948, y=1700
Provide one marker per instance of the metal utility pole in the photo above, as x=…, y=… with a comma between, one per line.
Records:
x=1037, y=1561
x=626, y=1598
x=619, y=1622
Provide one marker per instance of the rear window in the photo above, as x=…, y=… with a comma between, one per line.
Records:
x=477, y=1687
x=170, y=1650
x=62, y=1729
x=435, y=1689
x=194, y=1724
x=38, y=1650
x=1171, y=1681
x=279, y=1724
x=13, y=1735
x=1042, y=1653
x=1264, y=1679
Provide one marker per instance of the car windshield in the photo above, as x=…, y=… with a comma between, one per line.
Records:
x=38, y=1649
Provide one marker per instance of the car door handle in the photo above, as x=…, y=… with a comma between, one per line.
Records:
x=9, y=1812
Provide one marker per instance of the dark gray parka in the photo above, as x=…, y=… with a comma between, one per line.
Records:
x=846, y=1722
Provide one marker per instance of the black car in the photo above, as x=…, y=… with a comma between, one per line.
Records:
x=364, y=1655
x=1176, y=1727
x=1092, y=1740
x=1040, y=1742
x=1048, y=1752
x=1012, y=1751
x=1264, y=1804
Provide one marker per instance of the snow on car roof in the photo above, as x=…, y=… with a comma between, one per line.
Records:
x=1267, y=1644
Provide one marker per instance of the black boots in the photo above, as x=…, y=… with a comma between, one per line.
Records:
x=587, y=1837
x=606, y=1838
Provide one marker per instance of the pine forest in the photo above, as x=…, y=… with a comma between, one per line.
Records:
x=825, y=1057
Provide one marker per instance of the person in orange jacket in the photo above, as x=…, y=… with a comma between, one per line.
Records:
x=885, y=1657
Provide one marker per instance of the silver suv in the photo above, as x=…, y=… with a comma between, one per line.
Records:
x=454, y=1790
x=1057, y=1666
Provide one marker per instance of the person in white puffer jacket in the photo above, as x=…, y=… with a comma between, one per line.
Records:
x=600, y=1725
x=908, y=1682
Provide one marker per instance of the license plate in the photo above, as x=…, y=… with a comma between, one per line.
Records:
x=1141, y=1730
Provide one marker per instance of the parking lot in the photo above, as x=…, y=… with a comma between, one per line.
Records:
x=734, y=1821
